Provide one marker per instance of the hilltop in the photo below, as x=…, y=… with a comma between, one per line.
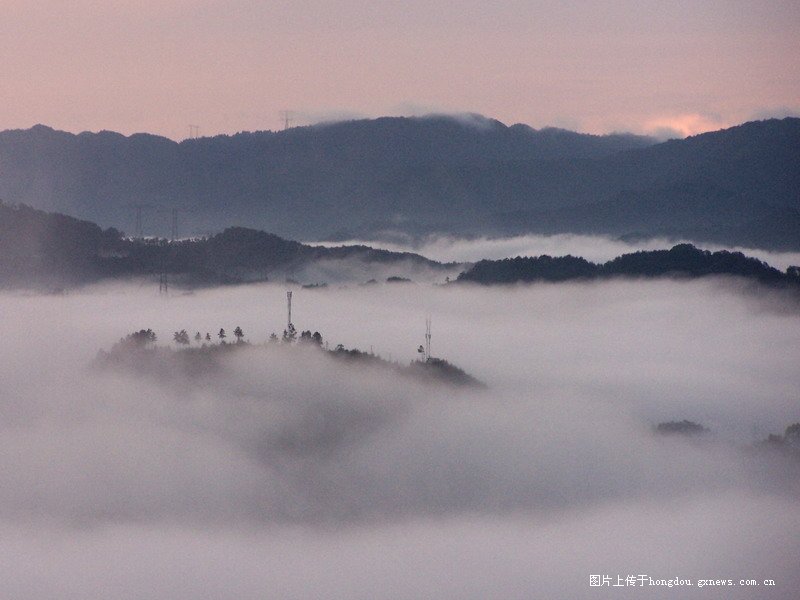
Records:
x=139, y=353
x=681, y=261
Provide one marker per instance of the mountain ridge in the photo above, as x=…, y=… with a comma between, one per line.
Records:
x=367, y=178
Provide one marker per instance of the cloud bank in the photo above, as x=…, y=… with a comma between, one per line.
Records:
x=288, y=475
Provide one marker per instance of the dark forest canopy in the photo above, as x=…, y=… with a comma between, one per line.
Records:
x=371, y=179
x=683, y=260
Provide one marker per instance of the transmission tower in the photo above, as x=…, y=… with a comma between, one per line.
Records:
x=174, y=224
x=163, y=284
x=287, y=117
x=289, y=310
x=138, y=230
x=194, y=132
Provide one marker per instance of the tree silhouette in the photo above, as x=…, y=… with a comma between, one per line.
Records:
x=222, y=335
x=289, y=334
x=139, y=338
x=198, y=337
x=181, y=337
x=684, y=427
x=792, y=435
x=239, y=334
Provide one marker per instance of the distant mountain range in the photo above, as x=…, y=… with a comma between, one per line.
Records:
x=372, y=179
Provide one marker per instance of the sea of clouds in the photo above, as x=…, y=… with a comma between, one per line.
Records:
x=287, y=474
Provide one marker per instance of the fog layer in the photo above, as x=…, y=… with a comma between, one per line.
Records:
x=288, y=474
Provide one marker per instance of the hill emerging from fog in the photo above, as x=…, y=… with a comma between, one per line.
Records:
x=51, y=250
x=683, y=261
x=203, y=361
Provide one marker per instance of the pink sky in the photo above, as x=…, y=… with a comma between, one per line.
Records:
x=644, y=65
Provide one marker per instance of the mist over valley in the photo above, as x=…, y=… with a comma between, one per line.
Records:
x=285, y=470
x=431, y=300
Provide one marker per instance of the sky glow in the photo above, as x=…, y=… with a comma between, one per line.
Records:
x=670, y=69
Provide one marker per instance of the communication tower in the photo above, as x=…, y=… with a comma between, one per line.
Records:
x=425, y=351
x=428, y=339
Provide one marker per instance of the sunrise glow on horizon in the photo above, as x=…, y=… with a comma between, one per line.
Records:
x=669, y=70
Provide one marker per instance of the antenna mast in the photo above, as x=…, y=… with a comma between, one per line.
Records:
x=428, y=339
